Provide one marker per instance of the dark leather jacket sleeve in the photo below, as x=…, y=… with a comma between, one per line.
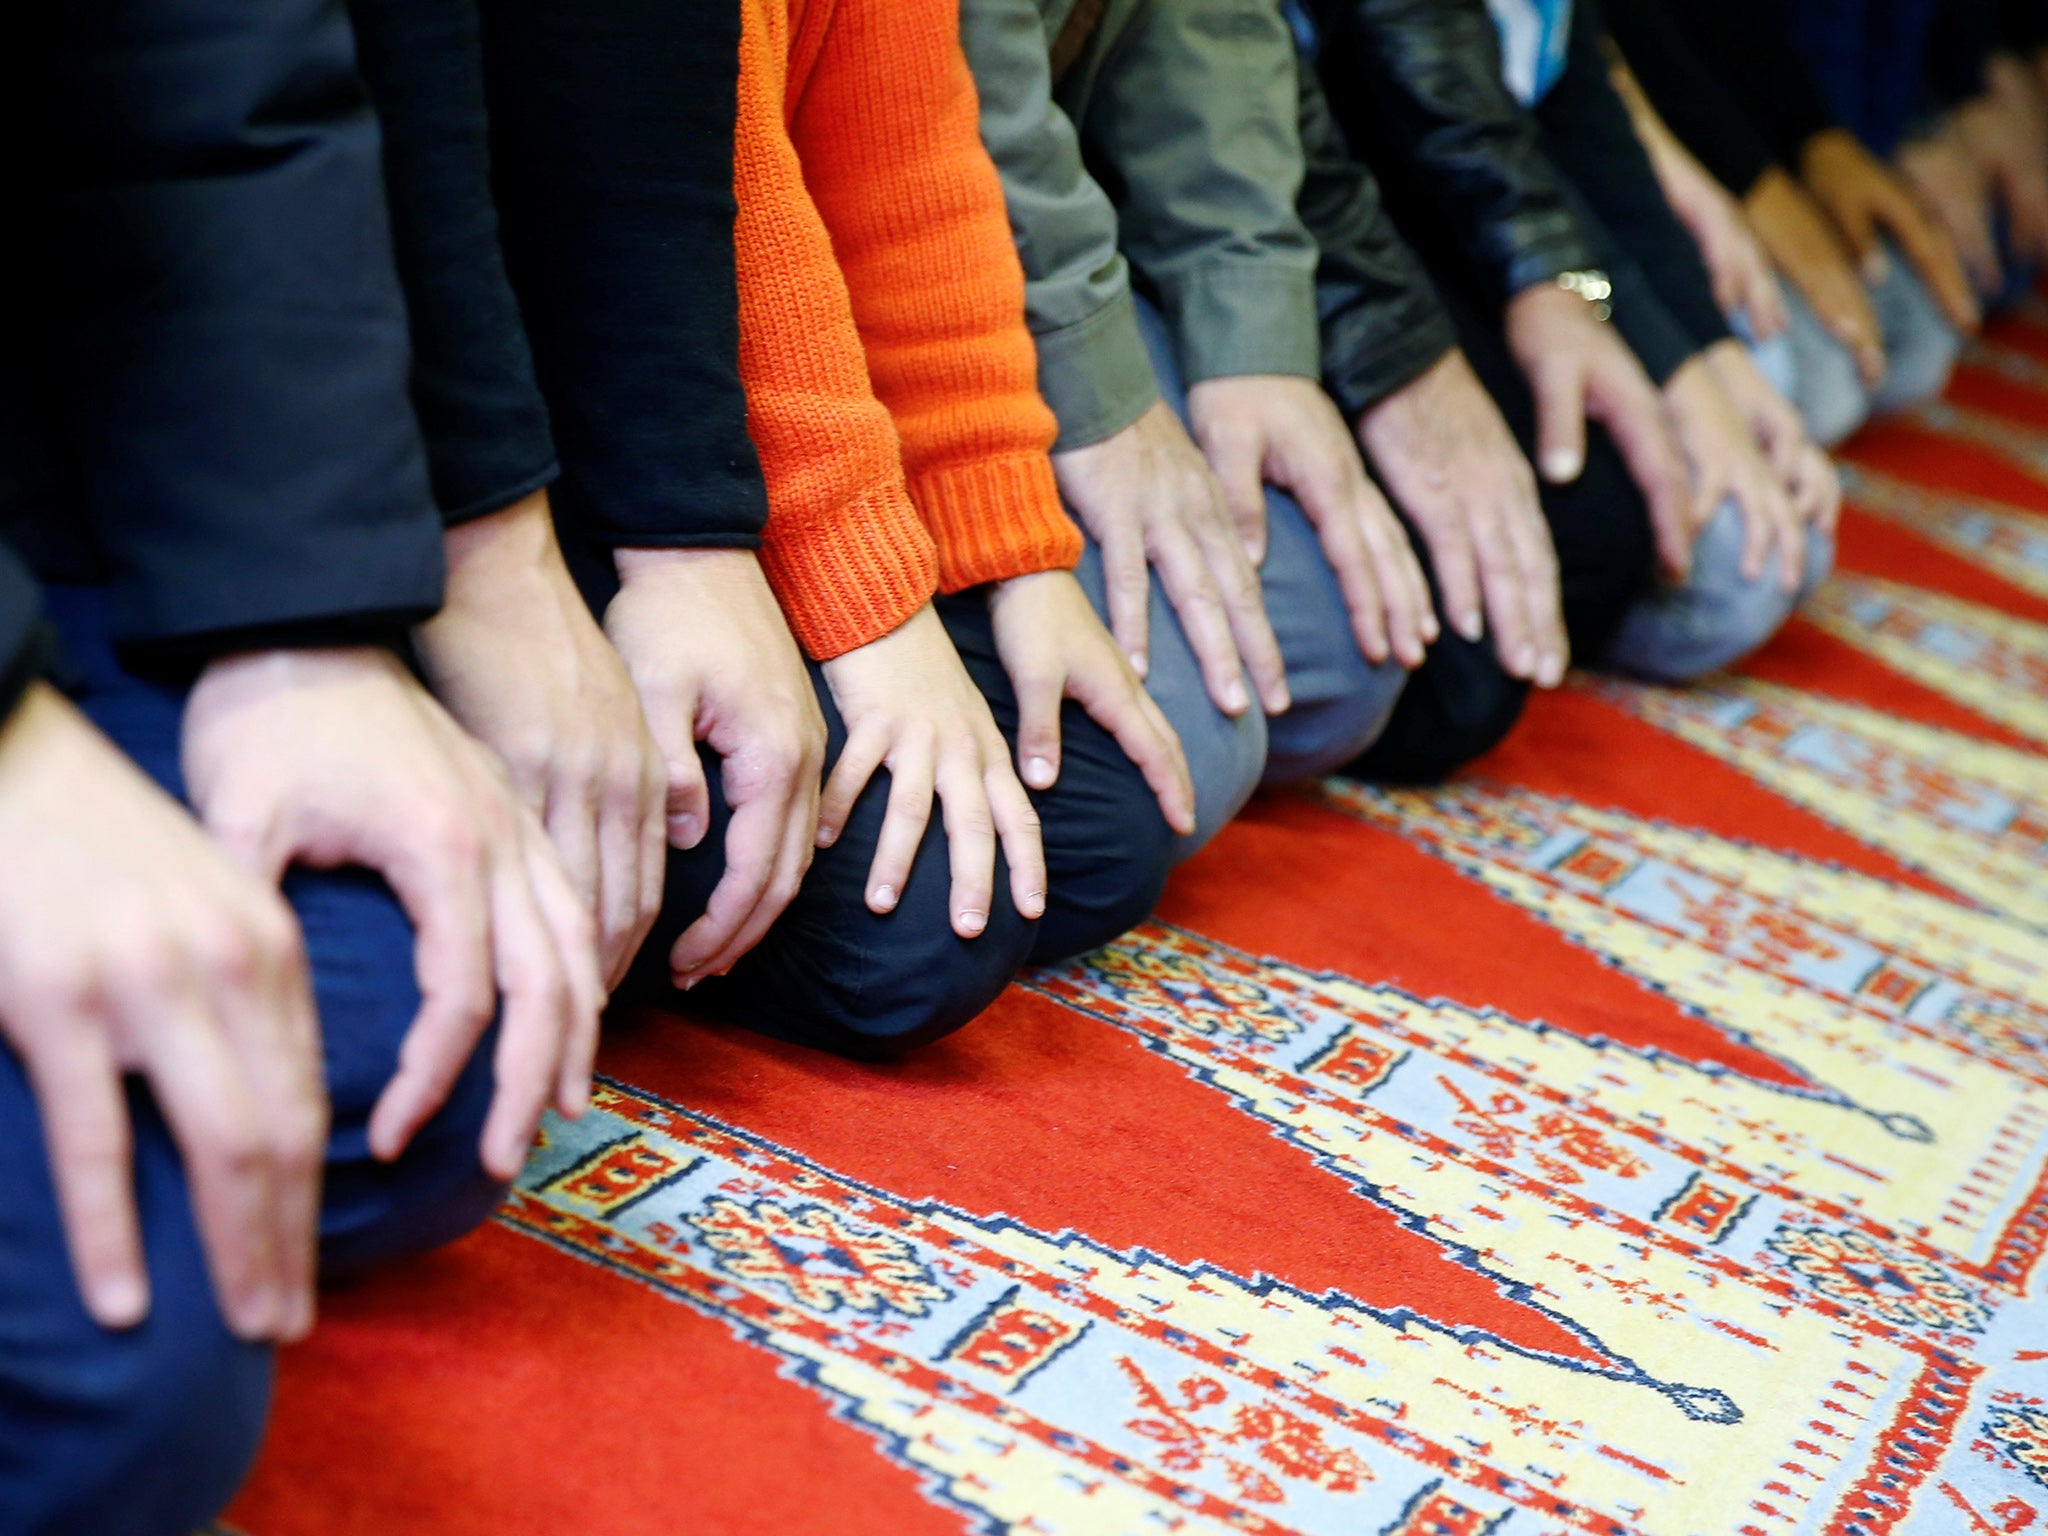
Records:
x=1433, y=68
x=1382, y=324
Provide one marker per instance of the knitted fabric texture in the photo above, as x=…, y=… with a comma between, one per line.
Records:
x=891, y=380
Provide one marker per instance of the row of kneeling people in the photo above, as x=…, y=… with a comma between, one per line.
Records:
x=802, y=510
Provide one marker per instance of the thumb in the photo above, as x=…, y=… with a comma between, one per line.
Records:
x=672, y=717
x=1560, y=423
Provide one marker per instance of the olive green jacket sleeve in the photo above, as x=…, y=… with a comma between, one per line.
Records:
x=1190, y=116
x=1092, y=365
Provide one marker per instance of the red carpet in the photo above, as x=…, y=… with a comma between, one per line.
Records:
x=1647, y=1133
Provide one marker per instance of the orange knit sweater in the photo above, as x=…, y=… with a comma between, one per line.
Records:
x=891, y=382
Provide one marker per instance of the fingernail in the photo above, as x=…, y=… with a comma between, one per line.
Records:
x=1235, y=699
x=120, y=1301
x=883, y=898
x=684, y=831
x=971, y=922
x=1038, y=773
x=1876, y=266
x=1525, y=660
x=1552, y=672
x=1560, y=466
x=1471, y=626
x=827, y=836
x=1034, y=904
x=1431, y=630
x=1141, y=664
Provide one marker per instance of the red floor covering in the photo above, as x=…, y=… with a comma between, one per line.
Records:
x=1646, y=1133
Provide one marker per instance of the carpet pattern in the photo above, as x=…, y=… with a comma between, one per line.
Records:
x=1646, y=1133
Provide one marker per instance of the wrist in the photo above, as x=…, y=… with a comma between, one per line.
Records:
x=653, y=562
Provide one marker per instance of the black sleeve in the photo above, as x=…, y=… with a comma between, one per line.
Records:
x=612, y=131
x=1587, y=130
x=473, y=384
x=1710, y=116
x=230, y=338
x=1429, y=72
x=2022, y=25
x=21, y=633
x=1959, y=44
x=1745, y=40
x=1382, y=323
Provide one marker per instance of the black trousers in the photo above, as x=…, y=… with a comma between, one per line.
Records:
x=1461, y=703
x=832, y=974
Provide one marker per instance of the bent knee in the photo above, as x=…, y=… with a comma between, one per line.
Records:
x=1459, y=706
x=1716, y=616
x=1333, y=725
x=1226, y=757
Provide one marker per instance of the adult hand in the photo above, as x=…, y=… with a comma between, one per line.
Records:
x=713, y=660
x=1868, y=202
x=1450, y=461
x=1955, y=189
x=1579, y=370
x=2006, y=131
x=1054, y=648
x=1725, y=463
x=128, y=944
x=339, y=757
x=1807, y=249
x=1805, y=472
x=1148, y=497
x=910, y=707
x=517, y=659
x=1261, y=428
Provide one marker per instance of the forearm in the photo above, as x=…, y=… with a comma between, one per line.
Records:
x=1093, y=369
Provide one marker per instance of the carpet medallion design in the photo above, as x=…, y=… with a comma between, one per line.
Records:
x=1644, y=1135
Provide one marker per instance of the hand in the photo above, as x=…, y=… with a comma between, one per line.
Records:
x=1805, y=472
x=1578, y=370
x=339, y=757
x=1441, y=447
x=1147, y=496
x=1725, y=463
x=1867, y=202
x=910, y=707
x=1286, y=430
x=1953, y=187
x=1054, y=648
x=713, y=660
x=128, y=944
x=517, y=659
x=1806, y=248
x=2006, y=130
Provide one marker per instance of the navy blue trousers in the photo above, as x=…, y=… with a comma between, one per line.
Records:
x=147, y=1432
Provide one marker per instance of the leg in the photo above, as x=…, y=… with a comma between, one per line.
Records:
x=1341, y=700
x=1715, y=617
x=144, y=1432
x=1826, y=387
x=1920, y=346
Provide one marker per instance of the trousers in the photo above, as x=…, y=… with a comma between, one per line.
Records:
x=147, y=1431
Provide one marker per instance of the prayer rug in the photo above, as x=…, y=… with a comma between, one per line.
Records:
x=1646, y=1133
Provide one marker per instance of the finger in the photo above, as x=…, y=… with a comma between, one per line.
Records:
x=1140, y=728
x=440, y=881
x=623, y=913
x=1039, y=695
x=1403, y=595
x=1536, y=562
x=214, y=1117
x=1827, y=506
x=1635, y=419
x=1450, y=536
x=534, y=1019
x=672, y=718
x=1930, y=254
x=911, y=783
x=970, y=846
x=792, y=861
x=1768, y=314
x=1244, y=607
x=1560, y=393
x=1191, y=588
x=572, y=825
x=1350, y=560
x=653, y=836
x=91, y=1153
x=1127, y=580
x=574, y=936
x=754, y=837
x=1017, y=824
x=1844, y=307
x=857, y=763
x=1501, y=579
x=1237, y=460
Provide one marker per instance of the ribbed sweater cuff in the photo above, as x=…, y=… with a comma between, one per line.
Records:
x=853, y=577
x=996, y=518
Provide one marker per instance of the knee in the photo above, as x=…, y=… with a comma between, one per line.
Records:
x=360, y=945
x=1226, y=759
x=1328, y=727
x=1920, y=347
x=1107, y=845
x=1716, y=617
x=1459, y=706
x=1826, y=386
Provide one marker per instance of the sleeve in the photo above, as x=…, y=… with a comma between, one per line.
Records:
x=1746, y=41
x=1193, y=121
x=845, y=551
x=1961, y=40
x=612, y=138
x=21, y=632
x=1382, y=323
x=1707, y=114
x=1093, y=369
x=1587, y=128
x=915, y=212
x=230, y=322
x=2022, y=25
x=473, y=386
x=1433, y=70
